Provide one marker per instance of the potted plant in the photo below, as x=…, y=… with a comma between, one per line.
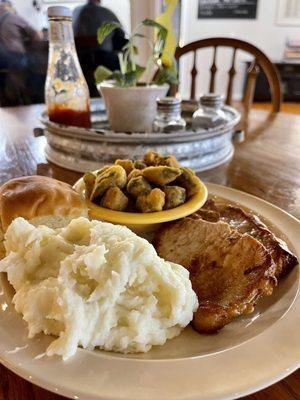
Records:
x=130, y=103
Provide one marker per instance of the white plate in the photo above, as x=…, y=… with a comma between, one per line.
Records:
x=246, y=356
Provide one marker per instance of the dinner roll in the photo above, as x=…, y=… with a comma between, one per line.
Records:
x=40, y=199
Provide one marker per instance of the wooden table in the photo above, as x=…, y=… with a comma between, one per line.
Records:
x=267, y=165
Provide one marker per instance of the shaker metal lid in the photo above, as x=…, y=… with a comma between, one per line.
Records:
x=212, y=100
x=165, y=103
x=59, y=11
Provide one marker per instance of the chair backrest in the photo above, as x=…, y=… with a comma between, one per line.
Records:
x=259, y=60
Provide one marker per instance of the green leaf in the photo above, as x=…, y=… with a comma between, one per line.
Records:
x=160, y=42
x=122, y=62
x=118, y=77
x=105, y=29
x=162, y=31
x=158, y=48
x=166, y=75
x=140, y=35
x=154, y=24
x=124, y=80
x=131, y=46
x=127, y=45
x=139, y=71
x=102, y=73
x=130, y=78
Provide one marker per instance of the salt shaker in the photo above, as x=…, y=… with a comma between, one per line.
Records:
x=210, y=113
x=168, y=118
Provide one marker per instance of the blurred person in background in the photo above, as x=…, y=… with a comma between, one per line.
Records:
x=15, y=32
x=89, y=17
x=16, y=37
x=86, y=21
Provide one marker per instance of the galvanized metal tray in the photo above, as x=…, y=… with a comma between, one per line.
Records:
x=80, y=149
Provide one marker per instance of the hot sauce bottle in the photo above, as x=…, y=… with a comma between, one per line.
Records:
x=66, y=91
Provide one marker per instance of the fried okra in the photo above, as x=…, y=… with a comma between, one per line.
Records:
x=152, y=158
x=126, y=164
x=175, y=195
x=151, y=202
x=190, y=181
x=138, y=164
x=89, y=180
x=134, y=173
x=101, y=170
x=138, y=186
x=161, y=175
x=169, y=161
x=112, y=176
x=115, y=199
x=152, y=184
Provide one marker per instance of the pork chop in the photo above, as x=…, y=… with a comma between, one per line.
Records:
x=245, y=222
x=229, y=271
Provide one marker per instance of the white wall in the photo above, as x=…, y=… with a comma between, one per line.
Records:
x=262, y=32
x=122, y=10
x=25, y=9
x=39, y=19
x=140, y=10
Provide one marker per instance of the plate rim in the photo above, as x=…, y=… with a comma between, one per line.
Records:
x=71, y=393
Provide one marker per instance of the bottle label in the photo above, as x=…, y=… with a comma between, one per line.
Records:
x=60, y=32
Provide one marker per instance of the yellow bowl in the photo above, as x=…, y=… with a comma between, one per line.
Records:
x=143, y=223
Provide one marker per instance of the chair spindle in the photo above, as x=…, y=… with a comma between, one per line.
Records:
x=213, y=71
x=231, y=74
x=252, y=73
x=194, y=73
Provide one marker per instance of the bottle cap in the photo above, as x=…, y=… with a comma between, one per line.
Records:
x=212, y=100
x=59, y=11
x=168, y=103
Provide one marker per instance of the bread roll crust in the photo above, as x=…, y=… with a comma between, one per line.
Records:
x=37, y=196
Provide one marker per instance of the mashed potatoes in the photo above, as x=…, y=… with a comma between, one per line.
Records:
x=95, y=284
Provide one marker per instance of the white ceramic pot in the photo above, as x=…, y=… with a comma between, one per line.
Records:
x=131, y=109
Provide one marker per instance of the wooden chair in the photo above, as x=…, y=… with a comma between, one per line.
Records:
x=259, y=60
